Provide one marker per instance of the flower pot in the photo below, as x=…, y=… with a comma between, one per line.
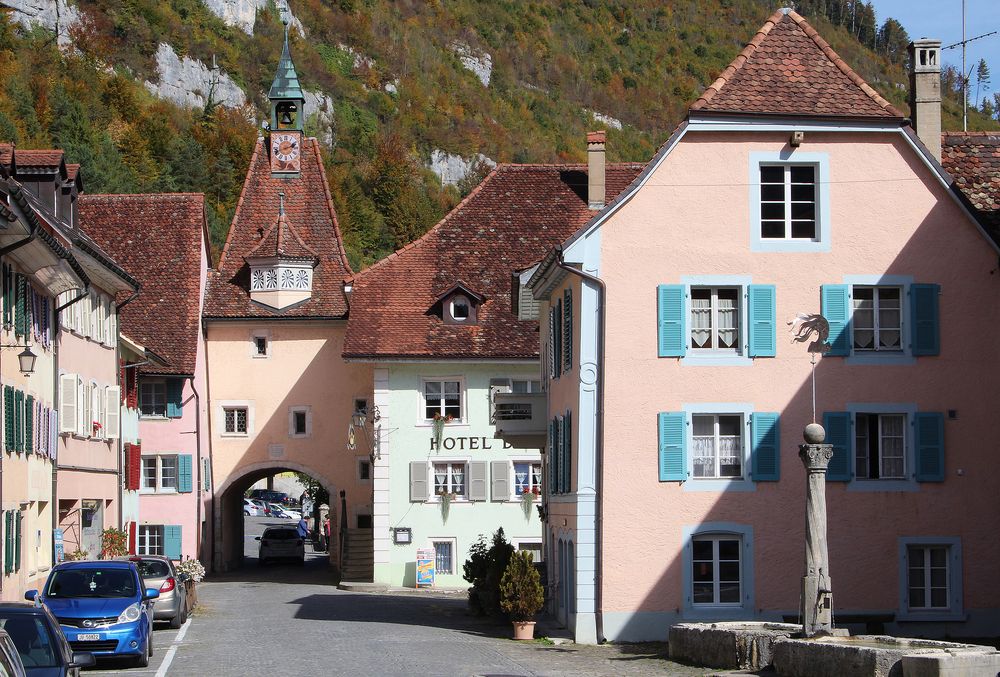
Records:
x=524, y=629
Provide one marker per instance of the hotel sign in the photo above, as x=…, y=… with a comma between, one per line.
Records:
x=468, y=443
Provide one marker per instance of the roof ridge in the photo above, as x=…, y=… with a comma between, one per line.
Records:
x=162, y=196
x=329, y=202
x=239, y=203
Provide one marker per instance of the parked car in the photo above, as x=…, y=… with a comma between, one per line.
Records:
x=262, y=507
x=292, y=514
x=250, y=508
x=281, y=543
x=103, y=607
x=10, y=660
x=278, y=511
x=159, y=572
x=40, y=642
x=269, y=496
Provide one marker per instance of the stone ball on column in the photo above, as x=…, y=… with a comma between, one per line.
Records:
x=814, y=433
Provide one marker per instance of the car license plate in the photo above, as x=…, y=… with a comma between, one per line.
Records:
x=88, y=636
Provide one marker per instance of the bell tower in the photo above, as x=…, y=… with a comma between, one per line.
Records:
x=287, y=115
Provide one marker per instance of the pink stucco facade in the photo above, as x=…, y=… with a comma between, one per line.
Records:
x=890, y=218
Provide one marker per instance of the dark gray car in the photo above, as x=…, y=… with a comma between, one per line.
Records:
x=40, y=642
x=159, y=572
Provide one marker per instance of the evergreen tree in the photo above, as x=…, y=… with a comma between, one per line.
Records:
x=982, y=78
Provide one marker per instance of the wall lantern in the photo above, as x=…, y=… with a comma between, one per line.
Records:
x=25, y=359
x=402, y=535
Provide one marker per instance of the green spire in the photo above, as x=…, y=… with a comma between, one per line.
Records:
x=286, y=80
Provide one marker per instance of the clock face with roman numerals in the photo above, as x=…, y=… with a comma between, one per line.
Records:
x=286, y=151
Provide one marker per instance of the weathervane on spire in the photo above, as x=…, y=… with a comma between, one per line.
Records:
x=283, y=12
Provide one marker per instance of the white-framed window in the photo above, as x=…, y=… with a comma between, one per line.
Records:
x=149, y=539
x=527, y=478
x=877, y=319
x=260, y=344
x=532, y=545
x=460, y=308
x=880, y=446
x=450, y=478
x=235, y=420
x=364, y=469
x=153, y=397
x=716, y=570
x=444, y=556
x=788, y=199
x=442, y=397
x=520, y=385
x=159, y=474
x=715, y=318
x=718, y=448
x=299, y=422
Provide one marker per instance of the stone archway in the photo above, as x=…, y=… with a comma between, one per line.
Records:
x=227, y=541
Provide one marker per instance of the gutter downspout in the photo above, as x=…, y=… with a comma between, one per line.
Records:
x=599, y=443
x=197, y=442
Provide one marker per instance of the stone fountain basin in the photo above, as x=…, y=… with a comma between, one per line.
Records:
x=728, y=645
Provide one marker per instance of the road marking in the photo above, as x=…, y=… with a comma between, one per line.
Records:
x=169, y=656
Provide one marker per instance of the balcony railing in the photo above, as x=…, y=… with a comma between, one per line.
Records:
x=519, y=418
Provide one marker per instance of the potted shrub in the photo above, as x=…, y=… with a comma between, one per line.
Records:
x=521, y=594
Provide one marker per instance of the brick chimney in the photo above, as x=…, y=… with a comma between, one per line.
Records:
x=596, y=194
x=925, y=92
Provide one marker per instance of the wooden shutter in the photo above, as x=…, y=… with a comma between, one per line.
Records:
x=500, y=474
x=835, y=305
x=838, y=433
x=762, y=315
x=113, y=414
x=766, y=450
x=6, y=295
x=8, y=418
x=19, y=306
x=672, y=333
x=17, y=540
x=568, y=452
x=553, y=457
x=560, y=433
x=175, y=392
x=184, y=480
x=8, y=541
x=135, y=467
x=132, y=528
x=172, y=541
x=557, y=328
x=418, y=481
x=477, y=480
x=18, y=421
x=527, y=306
x=925, y=333
x=568, y=329
x=551, y=343
x=67, y=403
x=673, y=446
x=29, y=424
x=930, y=447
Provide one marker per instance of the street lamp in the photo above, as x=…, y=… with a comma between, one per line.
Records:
x=25, y=359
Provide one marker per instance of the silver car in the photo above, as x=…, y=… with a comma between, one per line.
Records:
x=159, y=572
x=281, y=543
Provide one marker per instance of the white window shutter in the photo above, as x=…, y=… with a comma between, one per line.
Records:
x=113, y=398
x=67, y=403
x=501, y=480
x=477, y=481
x=418, y=481
x=99, y=410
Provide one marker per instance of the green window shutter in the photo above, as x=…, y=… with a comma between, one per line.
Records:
x=560, y=430
x=766, y=451
x=925, y=334
x=184, y=473
x=19, y=305
x=838, y=433
x=762, y=312
x=557, y=326
x=6, y=295
x=172, y=541
x=568, y=452
x=29, y=424
x=18, y=421
x=836, y=308
x=8, y=418
x=673, y=446
x=567, y=329
x=930, y=447
x=175, y=393
x=671, y=324
x=17, y=540
x=553, y=457
x=8, y=541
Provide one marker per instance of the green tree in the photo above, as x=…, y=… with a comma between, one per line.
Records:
x=982, y=78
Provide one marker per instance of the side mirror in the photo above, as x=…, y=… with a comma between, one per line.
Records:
x=83, y=659
x=256, y=538
x=152, y=593
x=30, y=595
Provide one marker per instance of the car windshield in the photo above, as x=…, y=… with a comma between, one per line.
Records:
x=91, y=583
x=32, y=639
x=153, y=568
x=281, y=534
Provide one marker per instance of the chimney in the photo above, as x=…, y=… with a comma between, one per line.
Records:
x=595, y=169
x=925, y=92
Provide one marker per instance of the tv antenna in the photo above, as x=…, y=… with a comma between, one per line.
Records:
x=966, y=73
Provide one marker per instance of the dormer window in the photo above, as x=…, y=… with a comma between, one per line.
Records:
x=458, y=305
x=281, y=265
x=459, y=308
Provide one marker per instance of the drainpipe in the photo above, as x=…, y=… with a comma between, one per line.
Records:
x=197, y=441
x=599, y=442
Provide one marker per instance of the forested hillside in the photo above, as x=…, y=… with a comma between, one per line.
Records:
x=514, y=80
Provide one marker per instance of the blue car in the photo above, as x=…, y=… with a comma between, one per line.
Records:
x=103, y=608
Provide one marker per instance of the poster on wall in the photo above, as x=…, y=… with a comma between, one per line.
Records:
x=57, y=537
x=425, y=567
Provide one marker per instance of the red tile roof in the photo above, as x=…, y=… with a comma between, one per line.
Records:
x=72, y=169
x=788, y=69
x=973, y=160
x=506, y=224
x=39, y=158
x=6, y=154
x=158, y=239
x=281, y=240
x=310, y=208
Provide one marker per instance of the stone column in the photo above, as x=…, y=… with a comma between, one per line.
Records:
x=817, y=597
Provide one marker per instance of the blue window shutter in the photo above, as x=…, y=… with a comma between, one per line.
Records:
x=763, y=320
x=184, y=473
x=671, y=325
x=766, y=451
x=172, y=541
x=568, y=329
x=568, y=451
x=673, y=447
x=836, y=308
x=838, y=433
x=175, y=397
x=925, y=335
x=930, y=447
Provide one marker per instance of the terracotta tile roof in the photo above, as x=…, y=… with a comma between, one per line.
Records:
x=158, y=239
x=310, y=208
x=6, y=154
x=72, y=170
x=788, y=69
x=506, y=224
x=281, y=240
x=973, y=160
x=49, y=159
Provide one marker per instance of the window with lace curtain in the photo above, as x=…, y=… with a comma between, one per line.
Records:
x=715, y=319
x=718, y=446
x=877, y=320
x=880, y=446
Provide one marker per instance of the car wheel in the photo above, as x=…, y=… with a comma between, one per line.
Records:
x=142, y=660
x=246, y=512
x=149, y=642
x=178, y=619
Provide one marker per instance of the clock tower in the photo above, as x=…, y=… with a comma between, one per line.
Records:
x=287, y=116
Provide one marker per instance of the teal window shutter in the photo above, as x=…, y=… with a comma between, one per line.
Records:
x=763, y=320
x=184, y=473
x=838, y=433
x=836, y=308
x=671, y=324
x=673, y=447
x=172, y=541
x=568, y=329
x=568, y=451
x=175, y=397
x=925, y=334
x=930, y=447
x=766, y=451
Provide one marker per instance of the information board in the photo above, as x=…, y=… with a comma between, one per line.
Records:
x=425, y=567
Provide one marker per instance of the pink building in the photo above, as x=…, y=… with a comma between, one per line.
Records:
x=162, y=240
x=677, y=398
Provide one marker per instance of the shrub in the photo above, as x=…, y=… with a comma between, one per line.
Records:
x=114, y=543
x=521, y=594
x=484, y=569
